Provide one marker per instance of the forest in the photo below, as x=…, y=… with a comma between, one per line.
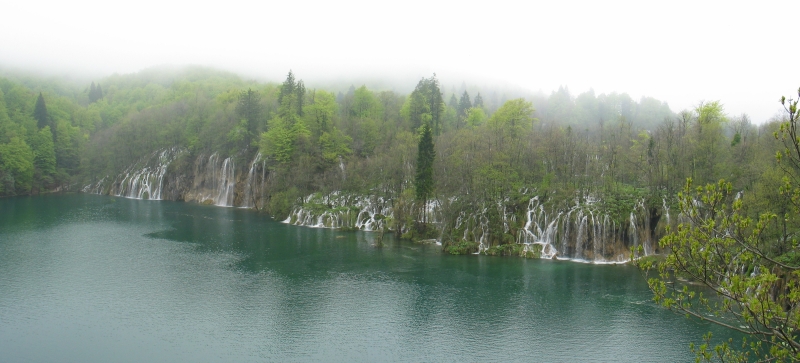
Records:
x=468, y=167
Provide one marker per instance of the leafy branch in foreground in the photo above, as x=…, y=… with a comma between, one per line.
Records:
x=736, y=267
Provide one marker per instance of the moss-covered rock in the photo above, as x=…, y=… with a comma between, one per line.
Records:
x=462, y=248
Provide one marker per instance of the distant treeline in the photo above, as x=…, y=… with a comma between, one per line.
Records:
x=53, y=135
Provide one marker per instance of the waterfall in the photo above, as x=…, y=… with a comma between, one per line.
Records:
x=580, y=240
x=143, y=179
x=227, y=184
x=249, y=193
x=583, y=232
x=341, y=167
x=337, y=210
x=96, y=188
x=633, y=233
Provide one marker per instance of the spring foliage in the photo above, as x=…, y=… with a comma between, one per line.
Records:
x=745, y=255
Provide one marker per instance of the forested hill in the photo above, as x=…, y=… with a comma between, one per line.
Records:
x=108, y=124
x=301, y=140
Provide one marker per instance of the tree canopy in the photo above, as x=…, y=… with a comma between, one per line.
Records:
x=742, y=250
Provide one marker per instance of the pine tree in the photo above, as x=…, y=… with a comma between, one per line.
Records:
x=436, y=104
x=423, y=181
x=464, y=105
x=287, y=88
x=249, y=110
x=92, y=93
x=40, y=113
x=95, y=93
x=427, y=104
x=478, y=101
x=300, y=90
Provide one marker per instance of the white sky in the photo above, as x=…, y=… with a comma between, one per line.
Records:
x=680, y=52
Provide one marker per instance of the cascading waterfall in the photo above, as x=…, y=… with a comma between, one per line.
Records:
x=634, y=236
x=582, y=232
x=142, y=180
x=96, y=188
x=251, y=184
x=337, y=210
x=227, y=184
x=214, y=181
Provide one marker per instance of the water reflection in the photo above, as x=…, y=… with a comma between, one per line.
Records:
x=91, y=278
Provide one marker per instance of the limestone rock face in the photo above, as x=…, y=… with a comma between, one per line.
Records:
x=173, y=174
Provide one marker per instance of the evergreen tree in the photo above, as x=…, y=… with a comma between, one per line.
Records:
x=44, y=157
x=478, y=101
x=426, y=104
x=92, y=93
x=95, y=93
x=423, y=181
x=300, y=90
x=287, y=88
x=249, y=110
x=436, y=104
x=453, y=102
x=40, y=112
x=463, y=107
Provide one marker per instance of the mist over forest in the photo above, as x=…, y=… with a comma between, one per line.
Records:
x=294, y=148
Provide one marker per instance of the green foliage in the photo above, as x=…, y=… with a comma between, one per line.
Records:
x=335, y=146
x=462, y=248
x=281, y=140
x=423, y=182
x=249, y=110
x=322, y=112
x=426, y=105
x=16, y=165
x=281, y=203
x=514, y=249
x=475, y=117
x=44, y=156
x=745, y=257
x=40, y=112
x=514, y=118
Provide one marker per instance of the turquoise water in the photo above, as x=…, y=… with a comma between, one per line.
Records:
x=86, y=278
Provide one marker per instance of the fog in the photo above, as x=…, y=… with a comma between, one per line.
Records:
x=681, y=52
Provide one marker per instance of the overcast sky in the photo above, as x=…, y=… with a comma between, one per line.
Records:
x=744, y=54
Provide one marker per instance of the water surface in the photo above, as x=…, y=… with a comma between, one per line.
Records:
x=86, y=278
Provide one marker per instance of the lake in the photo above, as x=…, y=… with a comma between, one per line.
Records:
x=88, y=278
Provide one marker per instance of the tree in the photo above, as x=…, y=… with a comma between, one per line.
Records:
x=426, y=103
x=40, y=113
x=453, y=103
x=92, y=92
x=463, y=106
x=95, y=93
x=510, y=123
x=744, y=256
x=287, y=88
x=322, y=110
x=44, y=157
x=249, y=110
x=475, y=117
x=16, y=163
x=478, y=102
x=423, y=182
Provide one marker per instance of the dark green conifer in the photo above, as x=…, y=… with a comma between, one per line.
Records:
x=40, y=112
x=423, y=182
x=478, y=101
